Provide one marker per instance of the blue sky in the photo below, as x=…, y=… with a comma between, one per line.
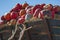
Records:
x=7, y=5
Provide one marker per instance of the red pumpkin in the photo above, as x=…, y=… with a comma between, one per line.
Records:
x=42, y=5
x=7, y=16
x=22, y=12
x=23, y=16
x=24, y=5
x=14, y=15
x=41, y=16
x=28, y=7
x=28, y=10
x=36, y=13
x=53, y=13
x=36, y=7
x=17, y=8
x=21, y=20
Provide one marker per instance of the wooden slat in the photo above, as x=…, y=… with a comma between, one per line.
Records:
x=54, y=22
x=47, y=28
x=43, y=33
x=55, y=30
x=8, y=31
x=56, y=37
x=55, y=26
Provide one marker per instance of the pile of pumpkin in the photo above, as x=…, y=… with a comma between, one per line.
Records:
x=22, y=12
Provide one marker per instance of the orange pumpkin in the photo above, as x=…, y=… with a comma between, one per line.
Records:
x=22, y=12
x=24, y=5
x=7, y=16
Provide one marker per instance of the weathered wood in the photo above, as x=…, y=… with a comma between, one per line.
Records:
x=56, y=37
x=47, y=28
x=54, y=28
x=53, y=22
x=40, y=31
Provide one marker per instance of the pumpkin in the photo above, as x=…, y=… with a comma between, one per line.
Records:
x=56, y=8
x=36, y=13
x=36, y=7
x=53, y=13
x=7, y=16
x=41, y=15
x=42, y=5
x=49, y=7
x=21, y=20
x=25, y=5
x=22, y=12
x=29, y=11
x=28, y=7
x=17, y=8
x=14, y=15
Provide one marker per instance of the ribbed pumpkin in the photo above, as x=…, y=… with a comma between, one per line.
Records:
x=42, y=5
x=17, y=8
x=28, y=7
x=21, y=20
x=25, y=5
x=7, y=16
x=14, y=15
x=36, y=7
x=55, y=8
x=49, y=7
x=36, y=13
x=22, y=12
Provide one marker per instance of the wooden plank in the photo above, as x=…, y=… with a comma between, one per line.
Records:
x=47, y=28
x=55, y=26
x=1, y=36
x=56, y=37
x=55, y=30
x=54, y=22
x=41, y=29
